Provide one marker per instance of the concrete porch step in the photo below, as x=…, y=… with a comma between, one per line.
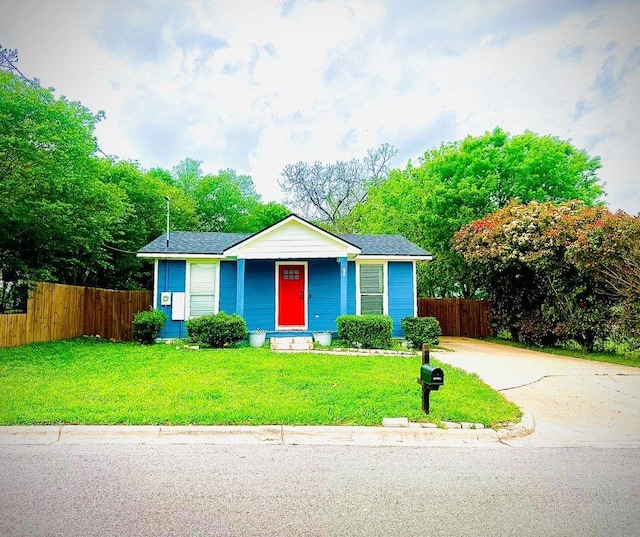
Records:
x=291, y=343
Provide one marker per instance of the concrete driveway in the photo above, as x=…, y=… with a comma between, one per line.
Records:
x=572, y=402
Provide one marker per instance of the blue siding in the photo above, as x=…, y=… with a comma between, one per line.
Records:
x=323, y=299
x=260, y=292
x=324, y=294
x=259, y=305
x=228, y=279
x=401, y=294
x=171, y=277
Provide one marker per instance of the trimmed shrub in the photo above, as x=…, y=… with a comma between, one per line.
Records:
x=367, y=331
x=420, y=330
x=217, y=330
x=147, y=325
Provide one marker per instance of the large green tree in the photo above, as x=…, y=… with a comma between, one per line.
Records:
x=462, y=181
x=55, y=213
x=228, y=202
x=187, y=174
x=143, y=220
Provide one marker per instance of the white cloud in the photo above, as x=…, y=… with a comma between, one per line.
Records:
x=256, y=85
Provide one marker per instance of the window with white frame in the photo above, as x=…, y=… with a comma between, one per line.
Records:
x=202, y=297
x=372, y=289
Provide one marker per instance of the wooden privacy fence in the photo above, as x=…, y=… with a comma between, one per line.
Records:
x=56, y=311
x=458, y=317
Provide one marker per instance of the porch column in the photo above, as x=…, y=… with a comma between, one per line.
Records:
x=343, y=285
x=240, y=287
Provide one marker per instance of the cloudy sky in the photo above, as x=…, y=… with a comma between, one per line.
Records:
x=255, y=85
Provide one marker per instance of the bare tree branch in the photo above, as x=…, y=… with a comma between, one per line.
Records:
x=377, y=161
x=329, y=192
x=7, y=58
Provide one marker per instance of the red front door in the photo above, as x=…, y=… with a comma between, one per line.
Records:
x=291, y=298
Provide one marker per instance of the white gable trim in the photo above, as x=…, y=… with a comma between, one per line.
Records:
x=288, y=239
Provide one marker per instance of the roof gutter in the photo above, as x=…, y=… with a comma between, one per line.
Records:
x=164, y=255
x=383, y=257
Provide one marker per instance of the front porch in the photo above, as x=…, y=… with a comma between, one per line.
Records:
x=296, y=297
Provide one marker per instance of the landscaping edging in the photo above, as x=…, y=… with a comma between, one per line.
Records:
x=414, y=435
x=355, y=352
x=401, y=432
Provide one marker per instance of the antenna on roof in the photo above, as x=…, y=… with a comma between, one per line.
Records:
x=168, y=200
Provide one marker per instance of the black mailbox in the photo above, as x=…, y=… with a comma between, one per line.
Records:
x=433, y=377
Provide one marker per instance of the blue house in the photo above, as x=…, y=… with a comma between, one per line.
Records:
x=292, y=278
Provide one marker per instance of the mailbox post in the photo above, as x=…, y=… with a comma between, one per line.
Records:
x=431, y=378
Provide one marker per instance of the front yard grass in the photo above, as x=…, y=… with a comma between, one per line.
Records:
x=89, y=381
x=615, y=354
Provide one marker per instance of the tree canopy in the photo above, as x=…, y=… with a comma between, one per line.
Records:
x=55, y=213
x=143, y=220
x=327, y=193
x=229, y=202
x=462, y=181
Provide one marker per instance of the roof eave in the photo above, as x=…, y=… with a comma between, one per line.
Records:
x=178, y=255
x=383, y=257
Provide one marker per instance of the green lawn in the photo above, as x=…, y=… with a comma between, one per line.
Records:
x=616, y=355
x=88, y=381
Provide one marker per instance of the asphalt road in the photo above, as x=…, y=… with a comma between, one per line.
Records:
x=277, y=490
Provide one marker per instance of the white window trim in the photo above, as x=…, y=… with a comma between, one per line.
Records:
x=155, y=284
x=304, y=264
x=385, y=279
x=216, y=285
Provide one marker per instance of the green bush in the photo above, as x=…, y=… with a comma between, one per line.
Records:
x=147, y=325
x=217, y=330
x=367, y=331
x=420, y=330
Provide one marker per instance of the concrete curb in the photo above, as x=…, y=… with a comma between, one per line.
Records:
x=525, y=427
x=413, y=435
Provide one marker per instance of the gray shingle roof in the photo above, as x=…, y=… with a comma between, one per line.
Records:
x=193, y=242
x=384, y=245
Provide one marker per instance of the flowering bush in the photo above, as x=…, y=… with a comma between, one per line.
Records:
x=537, y=263
x=609, y=249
